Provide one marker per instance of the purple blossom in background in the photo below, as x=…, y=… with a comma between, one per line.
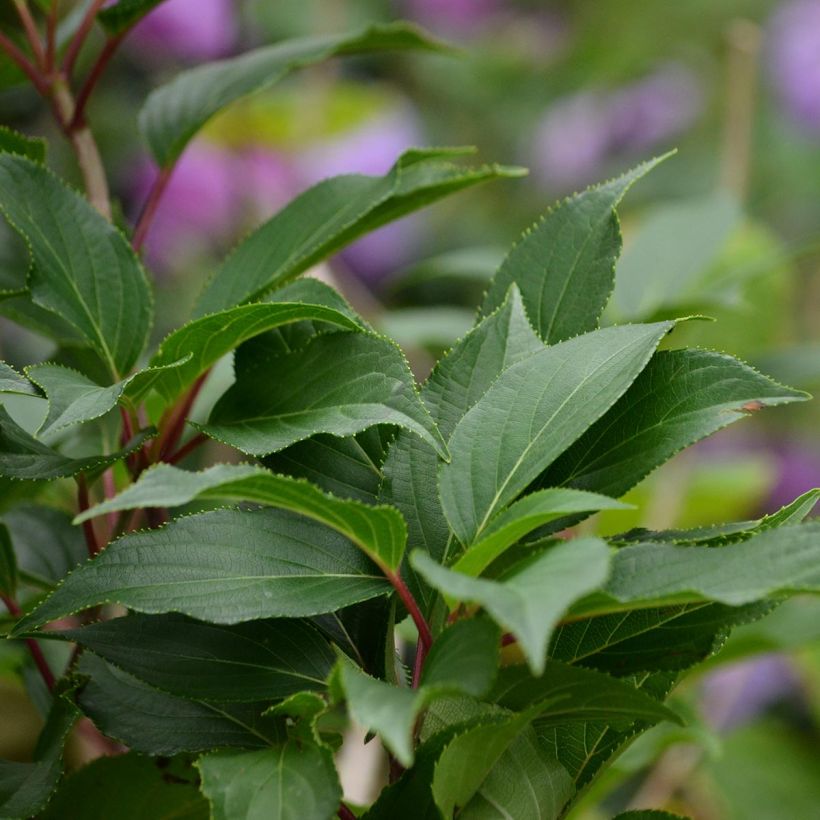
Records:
x=794, y=50
x=268, y=182
x=798, y=472
x=738, y=692
x=189, y=29
x=578, y=135
x=452, y=16
x=371, y=149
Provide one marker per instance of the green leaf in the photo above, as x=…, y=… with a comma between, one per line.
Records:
x=156, y=723
x=26, y=787
x=204, y=341
x=463, y=658
x=648, y=814
x=533, y=413
x=332, y=214
x=47, y=546
x=129, y=787
x=377, y=531
x=225, y=566
x=13, y=142
x=176, y=111
x=457, y=382
x=564, y=265
x=82, y=268
x=356, y=381
x=8, y=564
x=532, y=597
x=775, y=562
x=288, y=782
x=571, y=694
x=525, y=515
x=118, y=18
x=13, y=382
x=681, y=397
x=256, y=661
x=23, y=457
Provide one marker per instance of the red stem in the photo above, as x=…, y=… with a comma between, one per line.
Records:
x=508, y=639
x=32, y=645
x=84, y=503
x=32, y=35
x=345, y=813
x=186, y=449
x=24, y=64
x=97, y=70
x=418, y=665
x=76, y=44
x=51, y=35
x=176, y=423
x=149, y=209
x=425, y=636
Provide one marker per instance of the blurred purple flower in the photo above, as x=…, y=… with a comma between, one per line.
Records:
x=795, y=61
x=200, y=204
x=452, y=16
x=268, y=182
x=738, y=692
x=371, y=149
x=188, y=29
x=798, y=472
x=580, y=134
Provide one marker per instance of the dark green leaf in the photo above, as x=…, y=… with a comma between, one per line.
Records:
x=23, y=457
x=8, y=564
x=332, y=214
x=119, y=17
x=13, y=142
x=533, y=413
x=464, y=658
x=13, y=382
x=564, y=265
x=648, y=814
x=225, y=566
x=287, y=782
x=82, y=268
x=176, y=111
x=256, y=661
x=530, y=600
x=157, y=723
x=356, y=381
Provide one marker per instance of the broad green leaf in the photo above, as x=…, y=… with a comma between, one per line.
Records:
x=26, y=787
x=457, y=382
x=462, y=661
x=533, y=413
x=522, y=517
x=8, y=564
x=564, y=265
x=332, y=214
x=681, y=397
x=775, y=562
x=669, y=638
x=225, y=567
x=13, y=382
x=378, y=531
x=82, y=268
x=525, y=781
x=531, y=599
x=667, y=261
x=256, y=661
x=13, y=142
x=156, y=723
x=355, y=381
x=288, y=782
x=204, y=341
x=571, y=694
x=129, y=787
x=46, y=544
x=119, y=17
x=176, y=111
x=23, y=457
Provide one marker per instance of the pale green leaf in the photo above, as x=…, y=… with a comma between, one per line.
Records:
x=533, y=413
x=564, y=265
x=288, y=782
x=355, y=381
x=13, y=382
x=530, y=600
x=522, y=517
x=82, y=268
x=174, y=112
x=379, y=531
x=225, y=566
x=332, y=214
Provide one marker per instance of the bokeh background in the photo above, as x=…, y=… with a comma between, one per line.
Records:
x=576, y=91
